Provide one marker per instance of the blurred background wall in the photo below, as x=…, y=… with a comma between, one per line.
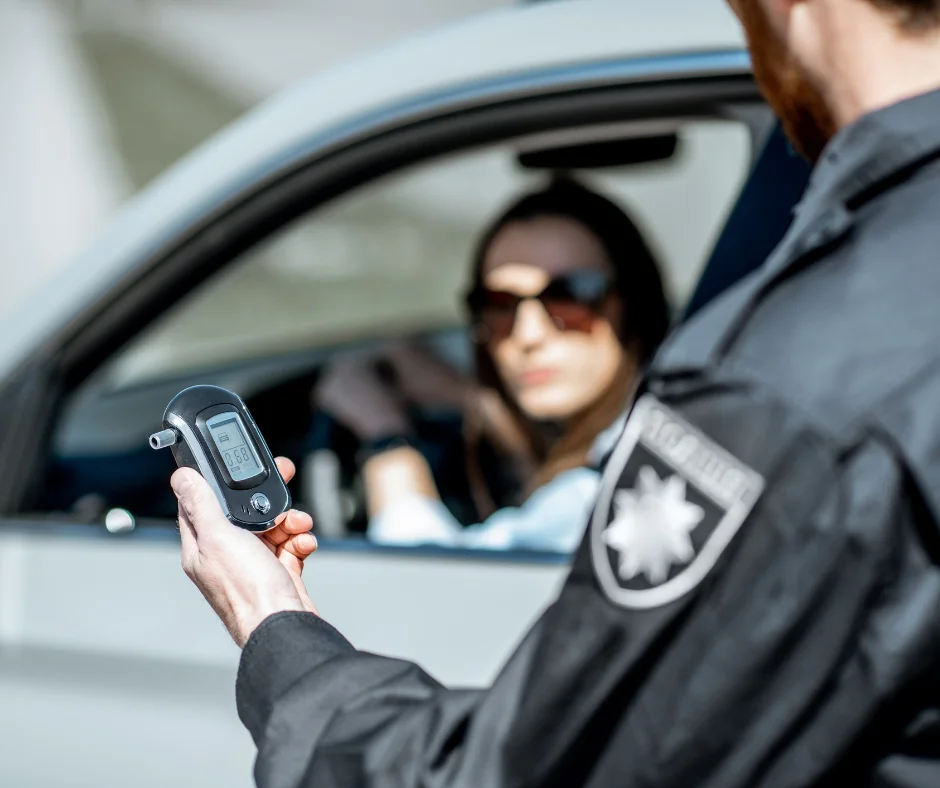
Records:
x=97, y=97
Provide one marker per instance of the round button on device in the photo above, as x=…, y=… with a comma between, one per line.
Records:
x=260, y=503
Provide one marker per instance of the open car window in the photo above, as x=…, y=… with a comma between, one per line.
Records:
x=390, y=259
x=394, y=256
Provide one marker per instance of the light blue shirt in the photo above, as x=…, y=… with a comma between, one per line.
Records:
x=552, y=519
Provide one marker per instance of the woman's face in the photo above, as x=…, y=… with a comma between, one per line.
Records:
x=552, y=373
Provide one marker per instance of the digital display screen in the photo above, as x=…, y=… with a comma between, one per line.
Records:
x=239, y=455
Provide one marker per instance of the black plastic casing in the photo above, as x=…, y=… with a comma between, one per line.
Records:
x=187, y=414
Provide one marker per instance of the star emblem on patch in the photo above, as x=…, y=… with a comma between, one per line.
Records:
x=670, y=501
x=652, y=526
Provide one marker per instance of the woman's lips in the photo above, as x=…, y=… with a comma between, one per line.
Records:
x=537, y=377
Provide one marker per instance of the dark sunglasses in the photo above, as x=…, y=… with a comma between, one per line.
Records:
x=572, y=301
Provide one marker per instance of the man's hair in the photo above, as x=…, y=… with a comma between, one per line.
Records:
x=913, y=16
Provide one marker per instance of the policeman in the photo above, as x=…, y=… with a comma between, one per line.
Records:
x=756, y=601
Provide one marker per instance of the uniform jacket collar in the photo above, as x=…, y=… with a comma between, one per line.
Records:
x=860, y=162
x=870, y=154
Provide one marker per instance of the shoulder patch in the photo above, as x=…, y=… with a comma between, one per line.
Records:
x=670, y=501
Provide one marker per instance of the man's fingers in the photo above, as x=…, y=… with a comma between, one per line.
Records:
x=197, y=501
x=290, y=523
x=285, y=467
x=301, y=546
x=296, y=522
x=295, y=568
x=276, y=536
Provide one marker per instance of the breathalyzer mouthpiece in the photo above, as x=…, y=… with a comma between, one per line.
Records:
x=164, y=438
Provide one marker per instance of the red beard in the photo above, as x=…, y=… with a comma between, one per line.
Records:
x=803, y=114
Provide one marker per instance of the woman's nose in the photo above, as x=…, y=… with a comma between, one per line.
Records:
x=532, y=324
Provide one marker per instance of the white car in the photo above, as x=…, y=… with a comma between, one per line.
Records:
x=336, y=216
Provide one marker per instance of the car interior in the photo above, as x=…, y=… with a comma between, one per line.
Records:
x=388, y=261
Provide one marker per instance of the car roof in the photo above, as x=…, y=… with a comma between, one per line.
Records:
x=530, y=38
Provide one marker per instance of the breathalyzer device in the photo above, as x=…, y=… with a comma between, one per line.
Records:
x=209, y=429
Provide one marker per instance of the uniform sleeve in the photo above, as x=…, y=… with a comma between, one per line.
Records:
x=327, y=715
x=551, y=519
x=802, y=648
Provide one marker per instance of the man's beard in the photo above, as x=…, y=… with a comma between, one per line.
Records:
x=803, y=114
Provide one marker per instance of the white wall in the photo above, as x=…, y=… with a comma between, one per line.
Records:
x=60, y=174
x=58, y=179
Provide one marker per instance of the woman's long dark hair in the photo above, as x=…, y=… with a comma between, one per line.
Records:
x=646, y=320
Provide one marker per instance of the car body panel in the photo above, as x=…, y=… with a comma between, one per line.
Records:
x=160, y=616
x=115, y=672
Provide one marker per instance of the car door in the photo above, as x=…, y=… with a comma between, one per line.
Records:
x=107, y=650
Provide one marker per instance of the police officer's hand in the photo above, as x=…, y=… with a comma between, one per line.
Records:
x=243, y=577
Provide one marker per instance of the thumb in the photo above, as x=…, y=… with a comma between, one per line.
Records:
x=197, y=501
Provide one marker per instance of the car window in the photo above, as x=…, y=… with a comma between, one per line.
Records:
x=394, y=256
x=386, y=260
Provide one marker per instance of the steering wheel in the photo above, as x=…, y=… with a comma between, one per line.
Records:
x=332, y=483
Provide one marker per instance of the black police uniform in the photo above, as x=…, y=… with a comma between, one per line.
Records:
x=756, y=601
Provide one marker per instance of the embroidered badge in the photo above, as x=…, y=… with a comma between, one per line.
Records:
x=670, y=502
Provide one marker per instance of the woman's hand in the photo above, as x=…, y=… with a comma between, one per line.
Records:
x=424, y=380
x=354, y=394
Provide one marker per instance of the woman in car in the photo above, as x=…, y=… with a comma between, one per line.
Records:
x=566, y=306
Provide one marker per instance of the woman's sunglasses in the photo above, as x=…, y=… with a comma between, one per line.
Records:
x=572, y=301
